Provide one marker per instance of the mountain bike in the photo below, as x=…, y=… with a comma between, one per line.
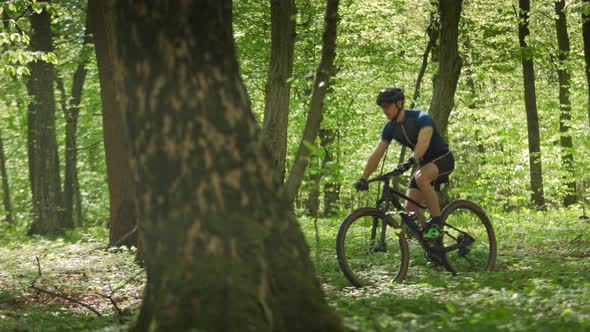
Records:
x=372, y=243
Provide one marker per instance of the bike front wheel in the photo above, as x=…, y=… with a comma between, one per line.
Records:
x=367, y=255
x=469, y=231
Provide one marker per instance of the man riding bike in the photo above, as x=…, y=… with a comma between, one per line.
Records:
x=414, y=129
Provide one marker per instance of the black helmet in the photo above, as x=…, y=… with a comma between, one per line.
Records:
x=390, y=95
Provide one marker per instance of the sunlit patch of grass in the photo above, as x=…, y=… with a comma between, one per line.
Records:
x=77, y=265
x=541, y=282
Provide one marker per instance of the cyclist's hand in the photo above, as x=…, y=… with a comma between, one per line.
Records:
x=361, y=184
x=407, y=165
x=404, y=166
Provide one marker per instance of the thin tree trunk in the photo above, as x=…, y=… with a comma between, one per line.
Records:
x=71, y=112
x=586, y=34
x=44, y=161
x=432, y=32
x=68, y=221
x=530, y=98
x=331, y=187
x=224, y=252
x=78, y=201
x=322, y=83
x=3, y=173
x=124, y=219
x=567, y=149
x=278, y=86
x=443, y=96
x=314, y=191
x=5, y=186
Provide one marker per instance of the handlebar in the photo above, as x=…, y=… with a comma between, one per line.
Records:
x=388, y=176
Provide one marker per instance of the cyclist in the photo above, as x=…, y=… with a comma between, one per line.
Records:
x=414, y=129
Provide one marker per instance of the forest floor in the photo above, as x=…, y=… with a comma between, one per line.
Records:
x=541, y=282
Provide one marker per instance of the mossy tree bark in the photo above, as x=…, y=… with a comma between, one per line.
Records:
x=530, y=99
x=43, y=157
x=278, y=86
x=223, y=249
x=567, y=147
x=124, y=219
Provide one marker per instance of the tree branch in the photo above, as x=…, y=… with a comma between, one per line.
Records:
x=57, y=294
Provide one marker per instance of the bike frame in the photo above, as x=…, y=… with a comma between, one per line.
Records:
x=389, y=197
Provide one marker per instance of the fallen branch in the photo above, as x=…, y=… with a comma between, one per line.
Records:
x=110, y=298
x=65, y=297
x=113, y=291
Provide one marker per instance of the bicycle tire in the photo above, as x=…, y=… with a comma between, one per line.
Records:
x=480, y=256
x=363, y=266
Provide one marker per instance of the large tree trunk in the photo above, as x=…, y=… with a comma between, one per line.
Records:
x=322, y=82
x=224, y=252
x=72, y=111
x=5, y=186
x=567, y=150
x=530, y=99
x=443, y=96
x=123, y=215
x=44, y=163
x=278, y=87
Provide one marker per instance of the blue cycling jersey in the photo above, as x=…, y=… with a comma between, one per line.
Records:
x=406, y=133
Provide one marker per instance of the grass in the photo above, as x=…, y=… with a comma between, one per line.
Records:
x=541, y=282
x=77, y=265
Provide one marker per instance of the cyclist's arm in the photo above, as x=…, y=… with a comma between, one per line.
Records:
x=374, y=159
x=424, y=137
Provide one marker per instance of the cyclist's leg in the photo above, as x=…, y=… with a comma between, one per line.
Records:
x=414, y=193
x=417, y=196
x=429, y=173
x=425, y=176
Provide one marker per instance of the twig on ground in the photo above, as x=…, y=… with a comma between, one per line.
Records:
x=113, y=302
x=113, y=291
x=57, y=294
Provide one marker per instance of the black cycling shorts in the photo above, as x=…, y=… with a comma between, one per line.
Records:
x=445, y=164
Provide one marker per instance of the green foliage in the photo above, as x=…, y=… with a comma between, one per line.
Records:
x=14, y=41
x=541, y=282
x=68, y=22
x=380, y=43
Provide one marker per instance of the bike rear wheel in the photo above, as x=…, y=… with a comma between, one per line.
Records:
x=468, y=227
x=366, y=260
